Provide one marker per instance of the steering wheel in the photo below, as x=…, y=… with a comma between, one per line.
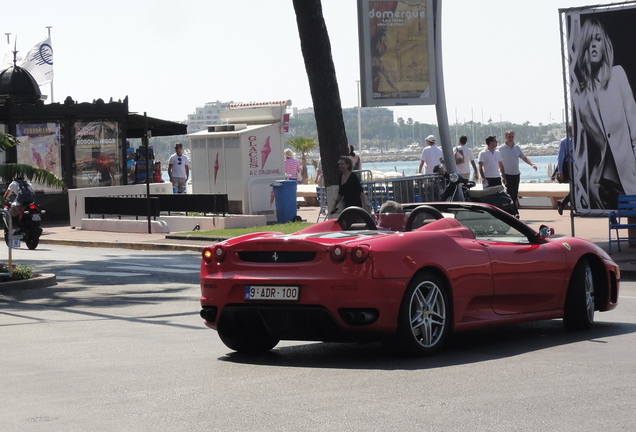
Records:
x=352, y=215
x=419, y=211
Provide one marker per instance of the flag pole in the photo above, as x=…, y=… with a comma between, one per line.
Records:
x=49, y=30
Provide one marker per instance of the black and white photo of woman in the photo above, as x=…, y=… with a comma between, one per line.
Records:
x=605, y=116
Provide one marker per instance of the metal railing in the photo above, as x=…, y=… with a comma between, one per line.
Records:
x=421, y=188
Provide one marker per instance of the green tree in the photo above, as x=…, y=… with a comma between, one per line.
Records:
x=10, y=170
x=302, y=145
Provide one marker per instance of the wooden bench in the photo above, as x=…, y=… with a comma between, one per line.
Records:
x=553, y=191
x=623, y=218
x=306, y=195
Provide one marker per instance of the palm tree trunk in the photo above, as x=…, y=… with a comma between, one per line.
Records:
x=316, y=49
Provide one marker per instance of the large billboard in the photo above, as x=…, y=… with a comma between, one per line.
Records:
x=602, y=76
x=397, y=58
x=97, y=154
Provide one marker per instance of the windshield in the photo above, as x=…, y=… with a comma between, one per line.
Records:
x=489, y=228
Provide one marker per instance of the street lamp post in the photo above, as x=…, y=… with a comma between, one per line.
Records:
x=359, y=119
x=49, y=30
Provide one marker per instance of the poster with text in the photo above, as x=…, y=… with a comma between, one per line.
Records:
x=396, y=52
x=97, y=154
x=40, y=147
x=602, y=78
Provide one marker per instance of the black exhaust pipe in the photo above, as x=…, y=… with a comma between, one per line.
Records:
x=209, y=313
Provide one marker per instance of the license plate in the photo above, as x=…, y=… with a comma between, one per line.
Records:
x=36, y=217
x=268, y=292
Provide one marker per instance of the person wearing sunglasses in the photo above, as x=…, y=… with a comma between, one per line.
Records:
x=179, y=169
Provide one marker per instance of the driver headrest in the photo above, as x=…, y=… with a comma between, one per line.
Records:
x=392, y=221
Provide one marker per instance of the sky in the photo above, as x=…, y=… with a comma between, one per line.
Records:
x=501, y=58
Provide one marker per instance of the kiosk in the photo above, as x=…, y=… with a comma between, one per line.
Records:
x=242, y=157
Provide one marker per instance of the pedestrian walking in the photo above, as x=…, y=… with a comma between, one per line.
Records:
x=564, y=166
x=490, y=164
x=510, y=155
x=464, y=158
x=431, y=156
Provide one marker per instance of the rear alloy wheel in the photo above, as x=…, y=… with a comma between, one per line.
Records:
x=424, y=316
x=244, y=339
x=579, y=303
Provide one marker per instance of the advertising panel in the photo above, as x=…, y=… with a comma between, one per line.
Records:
x=397, y=59
x=97, y=154
x=40, y=146
x=602, y=78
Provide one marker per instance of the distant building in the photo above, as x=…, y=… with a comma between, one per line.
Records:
x=207, y=115
x=348, y=113
x=303, y=113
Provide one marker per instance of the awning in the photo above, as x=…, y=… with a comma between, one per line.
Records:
x=136, y=127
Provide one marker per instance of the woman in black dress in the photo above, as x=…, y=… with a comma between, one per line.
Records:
x=349, y=187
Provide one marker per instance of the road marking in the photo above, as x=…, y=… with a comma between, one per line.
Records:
x=98, y=273
x=152, y=270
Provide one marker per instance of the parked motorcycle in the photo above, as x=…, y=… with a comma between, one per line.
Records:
x=27, y=224
x=459, y=189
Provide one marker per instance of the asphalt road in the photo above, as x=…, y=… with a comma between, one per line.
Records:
x=118, y=345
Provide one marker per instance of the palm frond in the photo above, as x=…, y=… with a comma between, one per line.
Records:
x=8, y=172
x=7, y=141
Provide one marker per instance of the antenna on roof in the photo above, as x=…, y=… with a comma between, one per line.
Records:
x=15, y=50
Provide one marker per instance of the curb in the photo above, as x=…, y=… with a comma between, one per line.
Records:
x=124, y=245
x=195, y=237
x=40, y=281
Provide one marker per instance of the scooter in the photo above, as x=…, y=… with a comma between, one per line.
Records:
x=459, y=189
x=27, y=224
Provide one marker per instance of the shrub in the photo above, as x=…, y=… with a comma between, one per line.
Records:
x=20, y=272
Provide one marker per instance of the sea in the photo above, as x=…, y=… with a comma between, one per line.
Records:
x=408, y=168
x=544, y=166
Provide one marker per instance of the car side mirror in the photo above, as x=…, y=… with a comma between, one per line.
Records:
x=545, y=231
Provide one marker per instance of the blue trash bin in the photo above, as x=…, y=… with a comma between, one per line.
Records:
x=285, y=197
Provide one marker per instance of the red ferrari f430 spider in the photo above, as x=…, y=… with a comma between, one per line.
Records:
x=408, y=280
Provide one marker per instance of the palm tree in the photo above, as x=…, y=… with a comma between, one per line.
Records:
x=302, y=145
x=10, y=171
x=323, y=85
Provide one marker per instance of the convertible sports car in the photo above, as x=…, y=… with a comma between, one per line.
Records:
x=410, y=280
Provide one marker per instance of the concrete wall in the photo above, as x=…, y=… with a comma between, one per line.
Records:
x=76, y=197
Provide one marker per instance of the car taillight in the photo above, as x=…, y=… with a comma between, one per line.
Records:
x=214, y=253
x=338, y=253
x=359, y=254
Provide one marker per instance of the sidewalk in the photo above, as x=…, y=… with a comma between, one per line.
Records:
x=594, y=229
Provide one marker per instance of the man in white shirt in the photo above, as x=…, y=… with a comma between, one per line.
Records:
x=463, y=169
x=179, y=169
x=431, y=156
x=490, y=164
x=510, y=155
